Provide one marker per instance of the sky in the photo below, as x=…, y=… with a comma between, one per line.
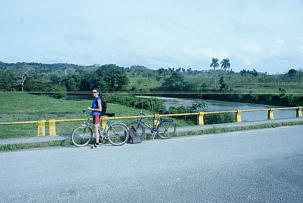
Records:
x=266, y=35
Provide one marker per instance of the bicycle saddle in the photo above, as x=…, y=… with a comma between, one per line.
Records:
x=110, y=114
x=161, y=111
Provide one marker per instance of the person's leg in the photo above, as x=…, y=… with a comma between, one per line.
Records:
x=96, y=125
x=97, y=132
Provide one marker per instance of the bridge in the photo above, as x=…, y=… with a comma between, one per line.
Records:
x=240, y=166
x=200, y=118
x=263, y=165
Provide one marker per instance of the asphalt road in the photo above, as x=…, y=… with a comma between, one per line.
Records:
x=248, y=166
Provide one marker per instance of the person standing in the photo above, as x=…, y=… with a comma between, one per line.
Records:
x=96, y=112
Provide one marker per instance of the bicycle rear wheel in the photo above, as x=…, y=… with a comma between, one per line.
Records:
x=117, y=134
x=82, y=135
x=166, y=129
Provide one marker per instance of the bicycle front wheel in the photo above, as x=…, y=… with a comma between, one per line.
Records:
x=82, y=135
x=166, y=129
x=117, y=134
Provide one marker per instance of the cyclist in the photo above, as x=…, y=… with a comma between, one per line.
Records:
x=96, y=111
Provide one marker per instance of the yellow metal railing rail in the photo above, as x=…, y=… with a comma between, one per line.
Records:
x=238, y=118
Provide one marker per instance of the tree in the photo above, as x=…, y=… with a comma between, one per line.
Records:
x=73, y=82
x=215, y=64
x=292, y=72
x=175, y=82
x=161, y=71
x=189, y=71
x=21, y=74
x=225, y=64
x=6, y=80
x=114, y=76
x=223, y=85
x=171, y=70
x=254, y=73
x=243, y=72
x=282, y=91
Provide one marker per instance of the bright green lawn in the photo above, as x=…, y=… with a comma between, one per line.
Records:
x=27, y=107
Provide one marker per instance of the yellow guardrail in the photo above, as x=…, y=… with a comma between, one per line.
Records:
x=41, y=125
x=238, y=118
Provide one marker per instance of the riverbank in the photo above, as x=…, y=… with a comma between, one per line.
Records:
x=286, y=100
x=216, y=105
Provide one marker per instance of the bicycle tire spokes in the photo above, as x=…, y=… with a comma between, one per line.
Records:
x=81, y=136
x=166, y=129
x=117, y=134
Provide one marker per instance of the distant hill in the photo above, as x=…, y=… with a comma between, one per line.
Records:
x=138, y=78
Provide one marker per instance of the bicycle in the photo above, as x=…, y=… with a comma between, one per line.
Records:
x=163, y=128
x=116, y=133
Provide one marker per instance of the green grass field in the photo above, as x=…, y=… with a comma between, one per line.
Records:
x=142, y=83
x=237, y=84
x=18, y=107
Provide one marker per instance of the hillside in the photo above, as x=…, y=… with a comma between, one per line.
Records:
x=71, y=77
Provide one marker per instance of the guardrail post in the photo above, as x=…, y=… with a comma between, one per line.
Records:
x=270, y=114
x=41, y=128
x=201, y=118
x=156, y=120
x=299, y=112
x=238, y=116
x=52, y=127
x=104, y=121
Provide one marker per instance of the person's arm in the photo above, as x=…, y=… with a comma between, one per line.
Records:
x=97, y=109
x=99, y=106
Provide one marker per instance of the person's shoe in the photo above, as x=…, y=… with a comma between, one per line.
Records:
x=96, y=144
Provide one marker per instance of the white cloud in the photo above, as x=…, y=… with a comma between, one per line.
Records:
x=300, y=45
x=253, y=48
x=153, y=33
x=205, y=53
x=247, y=60
x=277, y=49
x=300, y=49
x=254, y=52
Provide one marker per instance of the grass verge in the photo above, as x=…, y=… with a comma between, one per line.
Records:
x=11, y=147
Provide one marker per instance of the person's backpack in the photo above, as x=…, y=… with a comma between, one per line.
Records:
x=134, y=138
x=103, y=104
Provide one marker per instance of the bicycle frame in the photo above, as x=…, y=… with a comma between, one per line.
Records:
x=155, y=127
x=148, y=126
x=108, y=123
x=158, y=122
x=116, y=133
x=102, y=132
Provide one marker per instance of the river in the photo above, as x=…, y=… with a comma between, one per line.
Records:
x=214, y=105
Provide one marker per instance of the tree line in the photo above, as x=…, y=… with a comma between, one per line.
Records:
x=38, y=77
x=110, y=77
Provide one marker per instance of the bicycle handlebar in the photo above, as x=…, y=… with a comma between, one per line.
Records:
x=86, y=114
x=161, y=111
x=106, y=114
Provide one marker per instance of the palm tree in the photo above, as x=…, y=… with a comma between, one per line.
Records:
x=215, y=64
x=225, y=64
